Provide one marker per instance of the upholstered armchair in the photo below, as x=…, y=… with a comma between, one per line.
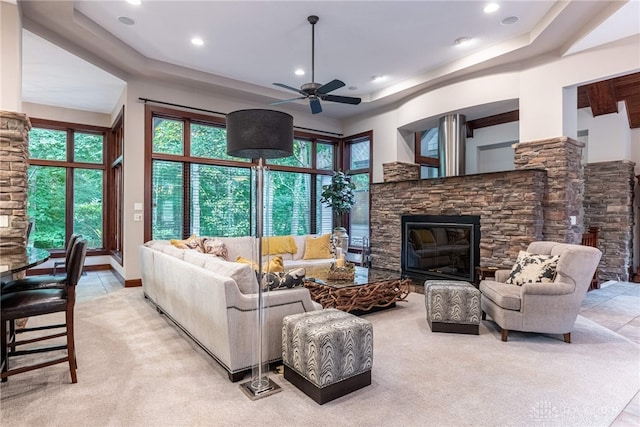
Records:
x=547, y=306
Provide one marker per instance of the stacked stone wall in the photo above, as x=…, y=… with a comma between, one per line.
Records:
x=509, y=205
x=562, y=159
x=608, y=204
x=14, y=154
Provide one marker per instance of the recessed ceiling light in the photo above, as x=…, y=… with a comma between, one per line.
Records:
x=197, y=41
x=126, y=21
x=135, y=2
x=461, y=41
x=491, y=7
x=299, y=72
x=510, y=20
x=377, y=78
x=353, y=88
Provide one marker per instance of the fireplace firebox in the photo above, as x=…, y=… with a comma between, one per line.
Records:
x=440, y=247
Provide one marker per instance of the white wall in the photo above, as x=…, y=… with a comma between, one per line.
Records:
x=66, y=115
x=486, y=151
x=539, y=87
x=609, y=135
x=11, y=63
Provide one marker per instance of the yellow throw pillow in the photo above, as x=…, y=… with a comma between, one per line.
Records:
x=190, y=243
x=426, y=236
x=247, y=261
x=274, y=265
x=273, y=245
x=317, y=247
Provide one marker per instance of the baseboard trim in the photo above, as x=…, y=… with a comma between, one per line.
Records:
x=132, y=283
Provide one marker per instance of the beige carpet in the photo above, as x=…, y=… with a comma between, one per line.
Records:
x=135, y=369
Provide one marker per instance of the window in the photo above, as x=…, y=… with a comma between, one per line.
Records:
x=196, y=188
x=427, y=153
x=115, y=190
x=358, y=161
x=66, y=178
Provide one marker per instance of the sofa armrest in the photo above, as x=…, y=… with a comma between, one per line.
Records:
x=557, y=288
x=272, y=298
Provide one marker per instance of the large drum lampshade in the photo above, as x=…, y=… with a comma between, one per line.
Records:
x=254, y=134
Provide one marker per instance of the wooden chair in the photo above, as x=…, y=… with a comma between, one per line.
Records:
x=38, y=302
x=591, y=239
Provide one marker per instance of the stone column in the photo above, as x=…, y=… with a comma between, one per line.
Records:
x=561, y=157
x=608, y=204
x=400, y=171
x=14, y=155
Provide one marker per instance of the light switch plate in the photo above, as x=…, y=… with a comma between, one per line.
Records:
x=137, y=206
x=137, y=217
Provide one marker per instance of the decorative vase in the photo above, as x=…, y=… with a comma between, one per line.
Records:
x=341, y=239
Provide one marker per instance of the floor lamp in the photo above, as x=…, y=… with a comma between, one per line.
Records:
x=260, y=134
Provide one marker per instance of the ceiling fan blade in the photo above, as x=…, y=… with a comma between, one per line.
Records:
x=282, y=85
x=315, y=105
x=330, y=87
x=287, y=100
x=342, y=99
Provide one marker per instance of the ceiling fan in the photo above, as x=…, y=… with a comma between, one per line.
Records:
x=316, y=91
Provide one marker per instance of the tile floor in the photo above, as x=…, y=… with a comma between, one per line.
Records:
x=616, y=306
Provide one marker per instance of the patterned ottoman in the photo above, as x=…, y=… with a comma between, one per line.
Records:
x=452, y=306
x=327, y=353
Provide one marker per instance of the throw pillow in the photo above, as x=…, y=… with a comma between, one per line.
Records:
x=273, y=245
x=213, y=246
x=533, y=268
x=190, y=243
x=317, y=247
x=282, y=280
x=244, y=260
x=275, y=264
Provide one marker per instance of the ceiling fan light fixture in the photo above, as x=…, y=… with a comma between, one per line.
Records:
x=313, y=91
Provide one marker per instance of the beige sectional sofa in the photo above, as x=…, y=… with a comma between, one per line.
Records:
x=214, y=301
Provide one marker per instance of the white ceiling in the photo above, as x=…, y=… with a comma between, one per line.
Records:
x=249, y=45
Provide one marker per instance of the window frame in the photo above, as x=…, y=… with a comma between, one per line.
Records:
x=70, y=165
x=153, y=111
x=346, y=162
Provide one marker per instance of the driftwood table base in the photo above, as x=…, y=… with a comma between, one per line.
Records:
x=349, y=296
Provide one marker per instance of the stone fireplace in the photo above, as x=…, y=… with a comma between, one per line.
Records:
x=440, y=247
x=541, y=200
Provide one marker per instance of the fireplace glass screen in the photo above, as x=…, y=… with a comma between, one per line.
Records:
x=441, y=249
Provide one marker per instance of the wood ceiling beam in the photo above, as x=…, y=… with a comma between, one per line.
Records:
x=498, y=119
x=633, y=110
x=602, y=98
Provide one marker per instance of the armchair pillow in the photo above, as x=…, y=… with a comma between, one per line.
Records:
x=533, y=268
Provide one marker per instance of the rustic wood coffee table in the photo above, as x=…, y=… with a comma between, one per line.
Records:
x=370, y=290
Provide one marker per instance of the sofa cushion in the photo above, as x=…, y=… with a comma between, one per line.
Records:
x=196, y=258
x=242, y=274
x=533, y=268
x=504, y=295
x=317, y=247
x=300, y=245
x=172, y=250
